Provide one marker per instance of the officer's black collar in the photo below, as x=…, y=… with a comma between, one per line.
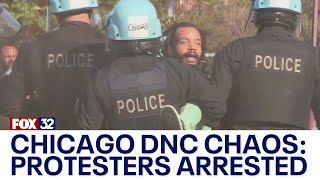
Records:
x=274, y=30
x=135, y=63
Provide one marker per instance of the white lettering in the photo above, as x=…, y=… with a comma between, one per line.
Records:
x=120, y=106
x=297, y=65
x=146, y=103
x=50, y=59
x=132, y=109
x=258, y=60
x=282, y=63
x=275, y=64
x=155, y=106
x=141, y=104
x=269, y=60
x=278, y=63
x=90, y=60
x=138, y=105
x=161, y=100
x=287, y=64
x=29, y=123
x=81, y=60
x=59, y=61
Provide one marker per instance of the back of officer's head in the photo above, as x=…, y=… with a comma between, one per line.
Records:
x=134, y=27
x=277, y=13
x=64, y=9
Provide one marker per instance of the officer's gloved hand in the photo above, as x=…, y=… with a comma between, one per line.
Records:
x=191, y=115
x=188, y=119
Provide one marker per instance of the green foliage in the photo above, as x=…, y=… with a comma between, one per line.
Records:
x=29, y=13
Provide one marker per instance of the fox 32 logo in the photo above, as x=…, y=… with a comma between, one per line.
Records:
x=31, y=123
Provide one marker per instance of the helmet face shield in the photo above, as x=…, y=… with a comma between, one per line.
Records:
x=9, y=26
x=298, y=29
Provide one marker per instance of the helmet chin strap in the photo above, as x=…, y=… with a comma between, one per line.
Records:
x=248, y=20
x=298, y=31
x=152, y=46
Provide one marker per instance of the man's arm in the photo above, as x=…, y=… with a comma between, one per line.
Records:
x=207, y=96
x=225, y=63
x=315, y=105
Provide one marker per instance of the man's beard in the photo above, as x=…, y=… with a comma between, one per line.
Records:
x=191, y=58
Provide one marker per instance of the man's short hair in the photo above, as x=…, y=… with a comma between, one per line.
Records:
x=170, y=34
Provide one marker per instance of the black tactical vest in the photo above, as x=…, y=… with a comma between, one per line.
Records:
x=272, y=87
x=137, y=99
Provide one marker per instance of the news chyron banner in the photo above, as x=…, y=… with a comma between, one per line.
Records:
x=74, y=155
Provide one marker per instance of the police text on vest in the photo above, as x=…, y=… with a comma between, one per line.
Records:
x=277, y=63
x=81, y=60
x=141, y=104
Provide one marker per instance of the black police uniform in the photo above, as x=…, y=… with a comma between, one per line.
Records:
x=4, y=82
x=130, y=93
x=53, y=69
x=270, y=80
x=4, y=123
x=5, y=79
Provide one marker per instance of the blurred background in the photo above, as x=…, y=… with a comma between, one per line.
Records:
x=223, y=20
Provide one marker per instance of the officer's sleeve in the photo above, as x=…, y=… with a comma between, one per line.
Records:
x=226, y=62
x=316, y=94
x=90, y=113
x=207, y=97
x=316, y=103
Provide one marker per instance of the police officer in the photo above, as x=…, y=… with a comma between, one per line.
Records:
x=9, y=27
x=270, y=78
x=50, y=71
x=130, y=93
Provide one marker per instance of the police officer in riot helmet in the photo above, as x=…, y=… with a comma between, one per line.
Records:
x=270, y=79
x=130, y=93
x=51, y=70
